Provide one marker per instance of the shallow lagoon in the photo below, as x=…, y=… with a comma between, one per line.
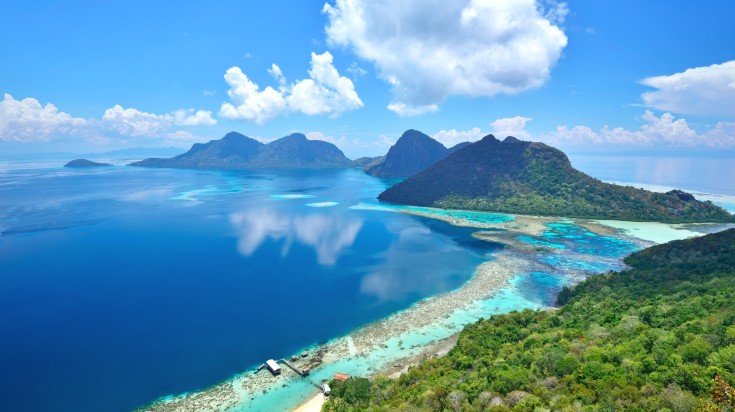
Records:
x=122, y=285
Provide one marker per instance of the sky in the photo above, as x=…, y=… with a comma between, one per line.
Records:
x=585, y=76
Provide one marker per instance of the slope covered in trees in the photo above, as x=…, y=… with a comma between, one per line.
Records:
x=650, y=338
x=532, y=178
x=236, y=151
x=413, y=152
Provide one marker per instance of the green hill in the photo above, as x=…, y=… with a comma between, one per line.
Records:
x=650, y=338
x=236, y=151
x=413, y=152
x=532, y=178
x=80, y=163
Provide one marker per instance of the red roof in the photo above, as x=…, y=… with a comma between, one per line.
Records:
x=341, y=376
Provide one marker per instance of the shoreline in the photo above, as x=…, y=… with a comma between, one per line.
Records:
x=367, y=350
x=427, y=328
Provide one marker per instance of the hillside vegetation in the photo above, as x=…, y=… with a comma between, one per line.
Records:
x=532, y=178
x=650, y=338
x=236, y=151
x=413, y=152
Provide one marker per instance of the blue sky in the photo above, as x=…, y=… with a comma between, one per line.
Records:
x=582, y=75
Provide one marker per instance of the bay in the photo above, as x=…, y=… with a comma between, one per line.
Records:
x=120, y=285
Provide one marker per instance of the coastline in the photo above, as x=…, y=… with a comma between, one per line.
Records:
x=370, y=349
x=427, y=328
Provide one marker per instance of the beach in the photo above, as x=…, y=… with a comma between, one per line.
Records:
x=429, y=327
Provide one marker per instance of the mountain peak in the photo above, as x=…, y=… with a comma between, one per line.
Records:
x=296, y=136
x=533, y=178
x=233, y=136
x=511, y=139
x=489, y=139
x=236, y=151
x=413, y=152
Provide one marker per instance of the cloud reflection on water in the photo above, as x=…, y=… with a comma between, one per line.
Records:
x=328, y=234
x=411, y=266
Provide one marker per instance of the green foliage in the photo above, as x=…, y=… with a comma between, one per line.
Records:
x=535, y=179
x=649, y=338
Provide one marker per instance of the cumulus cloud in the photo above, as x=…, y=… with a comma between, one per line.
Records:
x=665, y=130
x=428, y=50
x=452, y=137
x=191, y=117
x=656, y=131
x=28, y=121
x=511, y=126
x=698, y=91
x=135, y=123
x=184, y=136
x=248, y=102
x=324, y=92
x=326, y=138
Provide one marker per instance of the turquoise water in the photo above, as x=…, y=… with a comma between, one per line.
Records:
x=121, y=285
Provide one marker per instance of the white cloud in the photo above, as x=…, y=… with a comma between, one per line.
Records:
x=28, y=121
x=277, y=74
x=356, y=71
x=656, y=131
x=331, y=139
x=209, y=92
x=511, y=126
x=324, y=92
x=135, y=123
x=708, y=91
x=191, y=117
x=428, y=50
x=663, y=131
x=248, y=101
x=451, y=137
x=184, y=136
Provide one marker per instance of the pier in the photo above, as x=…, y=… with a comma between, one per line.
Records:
x=300, y=371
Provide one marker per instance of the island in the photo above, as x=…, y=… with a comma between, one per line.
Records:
x=658, y=336
x=81, y=163
x=413, y=152
x=237, y=151
x=531, y=178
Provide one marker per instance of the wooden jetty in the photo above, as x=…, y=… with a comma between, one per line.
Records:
x=300, y=371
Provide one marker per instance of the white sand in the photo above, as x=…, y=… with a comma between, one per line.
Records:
x=389, y=345
x=312, y=405
x=652, y=231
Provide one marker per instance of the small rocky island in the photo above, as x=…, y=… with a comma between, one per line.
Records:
x=80, y=163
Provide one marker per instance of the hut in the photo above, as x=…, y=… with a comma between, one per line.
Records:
x=341, y=376
x=326, y=389
x=273, y=367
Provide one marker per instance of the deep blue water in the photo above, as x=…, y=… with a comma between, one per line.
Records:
x=702, y=174
x=120, y=285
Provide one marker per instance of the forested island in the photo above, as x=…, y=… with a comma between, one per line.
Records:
x=236, y=151
x=81, y=163
x=658, y=336
x=531, y=178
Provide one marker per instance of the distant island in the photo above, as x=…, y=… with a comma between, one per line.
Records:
x=531, y=178
x=413, y=152
x=658, y=336
x=81, y=163
x=236, y=151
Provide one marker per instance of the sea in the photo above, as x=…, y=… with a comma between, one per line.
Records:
x=121, y=285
